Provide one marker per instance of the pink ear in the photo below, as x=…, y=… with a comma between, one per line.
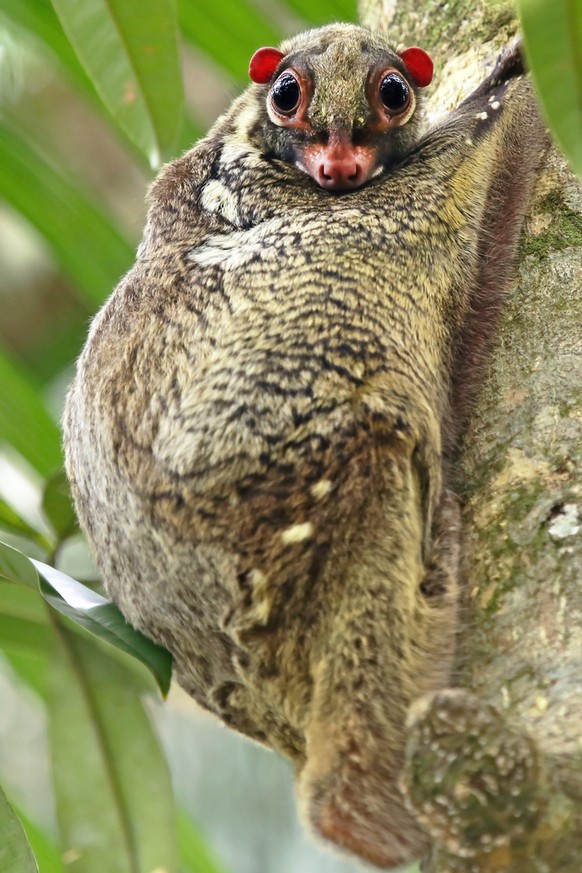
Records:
x=263, y=64
x=419, y=65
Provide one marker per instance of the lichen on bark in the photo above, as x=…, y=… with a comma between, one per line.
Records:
x=520, y=636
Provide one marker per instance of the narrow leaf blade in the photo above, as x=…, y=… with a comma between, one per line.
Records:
x=553, y=41
x=19, y=635
x=26, y=640
x=17, y=568
x=324, y=11
x=15, y=852
x=58, y=506
x=39, y=18
x=113, y=793
x=12, y=522
x=133, y=62
x=86, y=608
x=44, y=849
x=24, y=420
x=103, y=619
x=195, y=855
x=83, y=237
x=228, y=32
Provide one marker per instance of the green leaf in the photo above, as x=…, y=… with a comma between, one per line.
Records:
x=58, y=346
x=131, y=55
x=20, y=635
x=45, y=851
x=88, y=609
x=58, y=506
x=195, y=855
x=21, y=602
x=24, y=420
x=553, y=40
x=25, y=637
x=228, y=32
x=17, y=568
x=113, y=793
x=14, y=523
x=15, y=852
x=38, y=18
x=104, y=620
x=83, y=237
x=324, y=11
x=31, y=669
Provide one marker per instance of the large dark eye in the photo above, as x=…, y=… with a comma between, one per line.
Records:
x=394, y=93
x=286, y=93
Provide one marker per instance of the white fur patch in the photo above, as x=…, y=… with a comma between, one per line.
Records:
x=216, y=197
x=321, y=488
x=234, y=151
x=297, y=533
x=228, y=250
x=238, y=145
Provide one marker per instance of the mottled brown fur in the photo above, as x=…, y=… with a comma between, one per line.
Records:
x=255, y=433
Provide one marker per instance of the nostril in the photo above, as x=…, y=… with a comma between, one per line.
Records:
x=333, y=173
x=340, y=171
x=323, y=177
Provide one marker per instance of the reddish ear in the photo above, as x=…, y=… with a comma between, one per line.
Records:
x=419, y=65
x=263, y=64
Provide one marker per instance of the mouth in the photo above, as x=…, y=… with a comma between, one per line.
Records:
x=340, y=187
x=339, y=165
x=338, y=190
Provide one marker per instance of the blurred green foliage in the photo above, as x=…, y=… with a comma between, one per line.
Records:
x=552, y=31
x=91, y=102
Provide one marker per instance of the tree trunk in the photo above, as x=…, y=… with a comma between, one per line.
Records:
x=494, y=771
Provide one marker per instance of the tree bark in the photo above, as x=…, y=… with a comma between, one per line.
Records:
x=494, y=768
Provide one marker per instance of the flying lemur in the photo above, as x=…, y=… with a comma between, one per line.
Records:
x=259, y=430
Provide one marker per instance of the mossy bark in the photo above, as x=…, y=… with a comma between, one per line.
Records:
x=495, y=771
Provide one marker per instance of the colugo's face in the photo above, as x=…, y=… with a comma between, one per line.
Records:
x=340, y=104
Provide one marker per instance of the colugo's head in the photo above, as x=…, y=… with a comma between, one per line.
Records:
x=339, y=103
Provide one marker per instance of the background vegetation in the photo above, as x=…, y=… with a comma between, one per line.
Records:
x=91, y=102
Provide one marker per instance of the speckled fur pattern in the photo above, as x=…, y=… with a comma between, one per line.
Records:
x=256, y=430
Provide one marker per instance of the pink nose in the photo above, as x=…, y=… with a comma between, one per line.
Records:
x=343, y=172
